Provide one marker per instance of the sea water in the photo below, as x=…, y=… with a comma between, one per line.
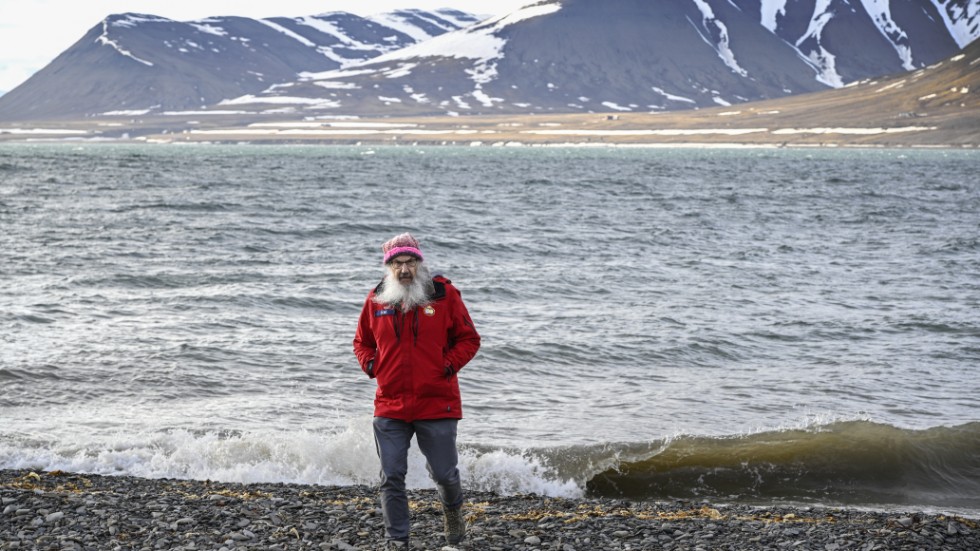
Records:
x=750, y=325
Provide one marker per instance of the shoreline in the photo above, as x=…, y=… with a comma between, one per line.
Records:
x=505, y=144
x=791, y=125
x=60, y=510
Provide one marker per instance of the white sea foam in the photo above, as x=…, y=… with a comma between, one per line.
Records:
x=343, y=458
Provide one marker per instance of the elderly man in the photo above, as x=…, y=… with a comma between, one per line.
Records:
x=413, y=336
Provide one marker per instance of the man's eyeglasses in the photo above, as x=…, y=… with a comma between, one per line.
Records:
x=397, y=264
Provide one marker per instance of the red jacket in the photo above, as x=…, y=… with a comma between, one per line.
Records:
x=411, y=351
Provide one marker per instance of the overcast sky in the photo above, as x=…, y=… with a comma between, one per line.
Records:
x=34, y=32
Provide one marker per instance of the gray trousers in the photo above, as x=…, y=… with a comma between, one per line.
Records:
x=437, y=441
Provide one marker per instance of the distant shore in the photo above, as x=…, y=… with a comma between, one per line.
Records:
x=58, y=510
x=744, y=126
x=67, y=137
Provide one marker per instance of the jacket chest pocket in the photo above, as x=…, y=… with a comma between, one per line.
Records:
x=383, y=326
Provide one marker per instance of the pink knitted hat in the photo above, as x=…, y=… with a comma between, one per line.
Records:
x=401, y=244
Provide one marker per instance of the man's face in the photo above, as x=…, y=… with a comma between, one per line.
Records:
x=404, y=267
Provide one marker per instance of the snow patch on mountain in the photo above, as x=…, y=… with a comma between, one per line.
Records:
x=672, y=97
x=401, y=71
x=248, y=99
x=479, y=42
x=331, y=29
x=205, y=27
x=398, y=21
x=480, y=46
x=279, y=28
x=880, y=12
x=771, y=9
x=406, y=21
x=719, y=33
x=485, y=100
x=615, y=106
x=825, y=61
x=133, y=20
x=963, y=22
x=126, y=21
x=335, y=74
x=333, y=85
x=452, y=16
x=432, y=20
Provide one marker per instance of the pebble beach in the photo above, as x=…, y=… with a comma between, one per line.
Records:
x=60, y=510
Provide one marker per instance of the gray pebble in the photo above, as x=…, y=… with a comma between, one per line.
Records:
x=125, y=513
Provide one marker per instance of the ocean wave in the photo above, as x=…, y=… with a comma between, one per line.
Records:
x=855, y=462
x=346, y=457
x=858, y=463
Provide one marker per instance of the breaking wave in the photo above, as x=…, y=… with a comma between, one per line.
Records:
x=848, y=463
x=855, y=462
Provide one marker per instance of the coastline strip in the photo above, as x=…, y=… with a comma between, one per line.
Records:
x=77, y=511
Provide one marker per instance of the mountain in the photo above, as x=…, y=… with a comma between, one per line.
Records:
x=553, y=56
x=938, y=105
x=943, y=98
x=135, y=63
x=636, y=56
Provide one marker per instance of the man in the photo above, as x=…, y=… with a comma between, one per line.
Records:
x=413, y=336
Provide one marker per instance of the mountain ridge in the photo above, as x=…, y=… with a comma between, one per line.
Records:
x=937, y=106
x=553, y=56
x=684, y=54
x=132, y=61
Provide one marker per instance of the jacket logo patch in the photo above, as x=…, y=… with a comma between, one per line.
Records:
x=429, y=310
x=385, y=312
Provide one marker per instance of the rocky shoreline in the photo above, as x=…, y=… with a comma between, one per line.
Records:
x=58, y=510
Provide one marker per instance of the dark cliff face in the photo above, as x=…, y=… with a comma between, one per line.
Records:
x=558, y=56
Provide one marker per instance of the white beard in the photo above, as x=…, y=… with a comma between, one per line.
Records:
x=408, y=297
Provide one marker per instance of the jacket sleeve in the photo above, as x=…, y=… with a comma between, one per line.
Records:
x=464, y=339
x=365, y=346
